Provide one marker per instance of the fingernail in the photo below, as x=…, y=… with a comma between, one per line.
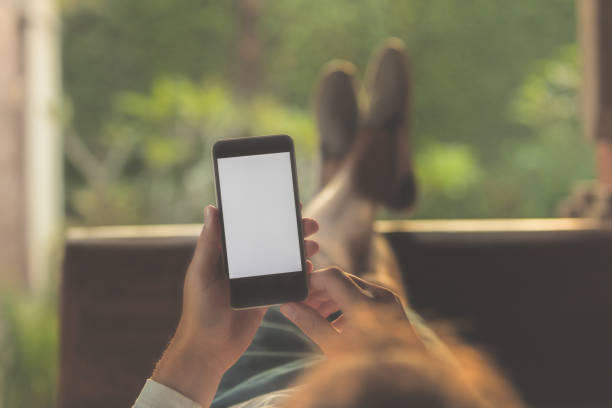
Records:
x=207, y=216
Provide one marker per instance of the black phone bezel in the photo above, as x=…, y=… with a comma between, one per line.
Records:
x=265, y=290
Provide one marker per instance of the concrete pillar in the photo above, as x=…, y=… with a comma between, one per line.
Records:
x=30, y=150
x=43, y=170
x=12, y=147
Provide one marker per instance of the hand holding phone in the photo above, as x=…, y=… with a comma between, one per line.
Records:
x=211, y=336
x=261, y=229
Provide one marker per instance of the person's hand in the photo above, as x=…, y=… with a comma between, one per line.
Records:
x=332, y=290
x=211, y=336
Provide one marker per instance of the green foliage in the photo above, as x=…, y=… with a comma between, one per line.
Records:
x=535, y=169
x=112, y=46
x=548, y=96
x=28, y=351
x=447, y=168
x=554, y=151
x=482, y=112
x=164, y=139
x=494, y=115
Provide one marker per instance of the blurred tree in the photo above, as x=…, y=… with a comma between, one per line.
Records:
x=248, y=50
x=470, y=61
x=156, y=164
x=112, y=46
x=535, y=168
x=553, y=152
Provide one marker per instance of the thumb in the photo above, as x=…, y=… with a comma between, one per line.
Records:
x=310, y=322
x=208, y=247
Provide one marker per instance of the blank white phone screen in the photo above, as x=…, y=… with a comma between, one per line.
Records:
x=259, y=218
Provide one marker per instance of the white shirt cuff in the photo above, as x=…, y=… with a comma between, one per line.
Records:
x=156, y=395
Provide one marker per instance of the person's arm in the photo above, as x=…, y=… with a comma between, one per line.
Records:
x=186, y=368
x=369, y=310
x=210, y=336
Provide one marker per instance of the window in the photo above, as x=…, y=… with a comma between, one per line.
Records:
x=151, y=85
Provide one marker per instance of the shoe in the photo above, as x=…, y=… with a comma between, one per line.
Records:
x=388, y=124
x=337, y=114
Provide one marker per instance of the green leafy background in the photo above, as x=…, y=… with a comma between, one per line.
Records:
x=495, y=124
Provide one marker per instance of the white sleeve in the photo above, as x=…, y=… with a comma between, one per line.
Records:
x=156, y=395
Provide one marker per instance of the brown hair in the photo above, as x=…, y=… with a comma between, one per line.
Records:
x=384, y=363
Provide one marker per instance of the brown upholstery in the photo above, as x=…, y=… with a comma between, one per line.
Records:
x=541, y=300
x=120, y=304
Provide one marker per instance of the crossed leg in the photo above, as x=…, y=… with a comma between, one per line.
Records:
x=366, y=163
x=346, y=217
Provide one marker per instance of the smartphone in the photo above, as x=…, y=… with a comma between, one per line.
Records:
x=261, y=221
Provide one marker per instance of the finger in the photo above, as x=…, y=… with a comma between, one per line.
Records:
x=374, y=290
x=365, y=284
x=327, y=308
x=316, y=298
x=339, y=286
x=309, y=267
x=207, y=249
x=309, y=226
x=310, y=322
x=339, y=323
x=310, y=247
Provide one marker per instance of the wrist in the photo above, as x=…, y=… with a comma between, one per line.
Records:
x=189, y=371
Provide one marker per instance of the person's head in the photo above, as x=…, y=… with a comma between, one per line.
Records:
x=389, y=367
